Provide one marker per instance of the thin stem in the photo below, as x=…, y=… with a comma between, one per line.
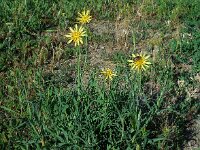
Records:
x=79, y=73
x=86, y=53
x=139, y=87
x=140, y=82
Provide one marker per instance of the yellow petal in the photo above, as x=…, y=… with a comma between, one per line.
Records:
x=146, y=57
x=71, y=29
x=87, y=13
x=76, y=27
x=68, y=35
x=69, y=41
x=81, y=41
x=130, y=61
x=133, y=55
x=148, y=63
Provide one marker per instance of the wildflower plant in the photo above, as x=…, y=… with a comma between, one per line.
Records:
x=76, y=36
x=139, y=62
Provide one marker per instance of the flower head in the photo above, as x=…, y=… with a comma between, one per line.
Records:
x=108, y=74
x=84, y=17
x=76, y=35
x=139, y=62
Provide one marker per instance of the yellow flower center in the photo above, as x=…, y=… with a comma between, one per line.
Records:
x=109, y=73
x=139, y=61
x=76, y=36
x=85, y=18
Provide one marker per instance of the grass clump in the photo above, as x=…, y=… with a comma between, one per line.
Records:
x=72, y=89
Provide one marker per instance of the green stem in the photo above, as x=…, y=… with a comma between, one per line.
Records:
x=140, y=82
x=86, y=53
x=139, y=87
x=79, y=73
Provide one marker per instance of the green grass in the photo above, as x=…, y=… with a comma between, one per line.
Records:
x=46, y=104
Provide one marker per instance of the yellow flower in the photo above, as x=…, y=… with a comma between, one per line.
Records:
x=108, y=74
x=139, y=62
x=166, y=131
x=84, y=17
x=137, y=147
x=76, y=35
